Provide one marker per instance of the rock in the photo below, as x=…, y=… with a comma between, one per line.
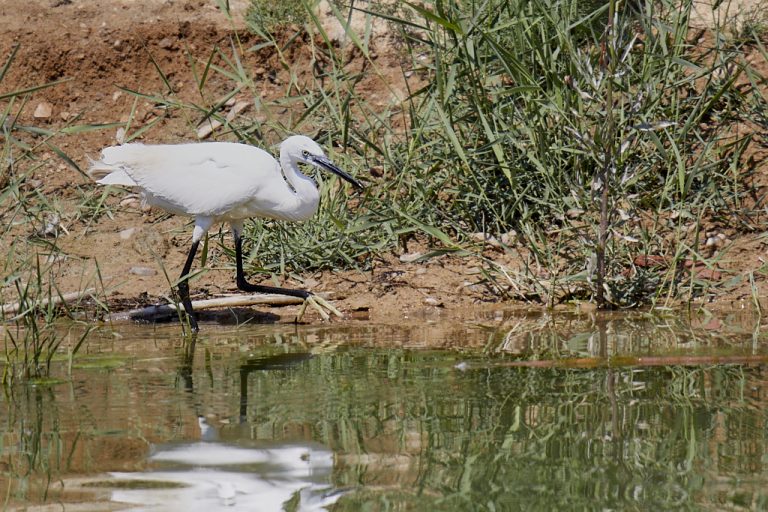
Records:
x=410, y=257
x=127, y=233
x=236, y=109
x=50, y=228
x=310, y=284
x=43, y=110
x=509, y=237
x=574, y=213
x=206, y=129
x=142, y=271
x=130, y=201
x=431, y=301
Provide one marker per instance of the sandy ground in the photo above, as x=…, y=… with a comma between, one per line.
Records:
x=100, y=47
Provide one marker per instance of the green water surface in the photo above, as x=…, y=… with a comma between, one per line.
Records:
x=503, y=412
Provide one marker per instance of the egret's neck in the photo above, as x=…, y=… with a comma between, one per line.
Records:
x=305, y=188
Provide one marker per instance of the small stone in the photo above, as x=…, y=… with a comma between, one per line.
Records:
x=431, y=301
x=485, y=238
x=207, y=128
x=64, y=115
x=508, y=237
x=574, y=213
x=142, y=271
x=166, y=43
x=43, y=110
x=127, y=233
x=116, y=95
x=236, y=109
x=129, y=202
x=462, y=366
x=410, y=257
x=51, y=226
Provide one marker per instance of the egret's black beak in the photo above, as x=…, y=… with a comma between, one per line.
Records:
x=323, y=162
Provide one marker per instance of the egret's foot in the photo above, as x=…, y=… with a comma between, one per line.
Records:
x=322, y=306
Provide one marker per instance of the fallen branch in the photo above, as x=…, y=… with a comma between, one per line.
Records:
x=12, y=308
x=164, y=311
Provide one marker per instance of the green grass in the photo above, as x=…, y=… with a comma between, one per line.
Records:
x=529, y=118
x=31, y=223
x=528, y=113
x=528, y=121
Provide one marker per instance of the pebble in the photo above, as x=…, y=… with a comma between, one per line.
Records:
x=716, y=240
x=311, y=283
x=410, y=257
x=129, y=202
x=431, y=301
x=236, y=109
x=51, y=226
x=127, y=233
x=506, y=238
x=43, y=110
x=142, y=271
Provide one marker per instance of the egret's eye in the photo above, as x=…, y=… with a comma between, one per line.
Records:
x=305, y=153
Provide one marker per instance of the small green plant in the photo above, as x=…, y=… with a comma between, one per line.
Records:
x=30, y=225
x=267, y=17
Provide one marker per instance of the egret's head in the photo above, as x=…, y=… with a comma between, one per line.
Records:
x=305, y=150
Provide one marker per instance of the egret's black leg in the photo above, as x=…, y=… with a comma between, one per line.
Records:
x=244, y=285
x=184, y=287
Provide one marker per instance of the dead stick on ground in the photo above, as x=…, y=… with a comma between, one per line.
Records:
x=150, y=313
x=14, y=307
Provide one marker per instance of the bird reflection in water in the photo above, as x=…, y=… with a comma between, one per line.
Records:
x=210, y=474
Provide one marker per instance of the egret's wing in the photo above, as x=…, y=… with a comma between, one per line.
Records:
x=208, y=179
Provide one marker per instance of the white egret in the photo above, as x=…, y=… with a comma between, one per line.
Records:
x=222, y=182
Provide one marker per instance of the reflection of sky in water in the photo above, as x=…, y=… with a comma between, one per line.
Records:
x=229, y=477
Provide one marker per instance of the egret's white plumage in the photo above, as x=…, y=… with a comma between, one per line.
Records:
x=220, y=182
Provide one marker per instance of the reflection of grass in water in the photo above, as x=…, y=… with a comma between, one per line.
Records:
x=515, y=437
x=136, y=484
x=100, y=363
x=410, y=429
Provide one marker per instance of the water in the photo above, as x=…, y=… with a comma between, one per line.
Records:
x=500, y=411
